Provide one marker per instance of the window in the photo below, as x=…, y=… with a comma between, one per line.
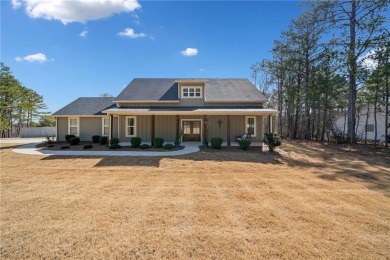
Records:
x=130, y=126
x=191, y=92
x=370, y=128
x=105, y=126
x=74, y=126
x=250, y=124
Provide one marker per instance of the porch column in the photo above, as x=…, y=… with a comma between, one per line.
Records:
x=111, y=126
x=177, y=128
x=152, y=130
x=270, y=124
x=228, y=129
x=205, y=133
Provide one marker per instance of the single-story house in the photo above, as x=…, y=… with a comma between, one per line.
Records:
x=164, y=107
x=365, y=124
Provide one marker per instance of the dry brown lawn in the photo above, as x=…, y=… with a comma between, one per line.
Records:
x=306, y=201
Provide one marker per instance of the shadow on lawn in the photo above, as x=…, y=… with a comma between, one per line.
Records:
x=346, y=163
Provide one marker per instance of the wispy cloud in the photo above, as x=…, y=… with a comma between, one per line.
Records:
x=76, y=10
x=129, y=32
x=368, y=61
x=37, y=57
x=83, y=34
x=201, y=70
x=189, y=52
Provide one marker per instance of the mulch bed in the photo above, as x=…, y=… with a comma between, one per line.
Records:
x=98, y=147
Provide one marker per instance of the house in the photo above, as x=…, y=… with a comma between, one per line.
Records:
x=161, y=107
x=365, y=124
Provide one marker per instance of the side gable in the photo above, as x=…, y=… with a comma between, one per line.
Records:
x=87, y=106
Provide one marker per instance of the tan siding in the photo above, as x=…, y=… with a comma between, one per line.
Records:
x=234, y=104
x=90, y=126
x=260, y=128
x=165, y=127
x=144, y=124
x=191, y=102
x=213, y=127
x=122, y=129
x=163, y=104
x=62, y=128
x=115, y=128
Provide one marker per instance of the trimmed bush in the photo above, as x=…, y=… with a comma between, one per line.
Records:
x=135, y=142
x=216, y=142
x=144, y=146
x=114, y=141
x=244, y=144
x=67, y=138
x=168, y=146
x=158, y=142
x=272, y=140
x=95, y=139
x=103, y=140
x=114, y=146
x=87, y=146
x=74, y=141
x=65, y=147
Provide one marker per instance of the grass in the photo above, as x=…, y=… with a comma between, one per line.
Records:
x=306, y=201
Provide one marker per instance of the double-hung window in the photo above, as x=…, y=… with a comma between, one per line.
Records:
x=131, y=126
x=105, y=126
x=191, y=92
x=250, y=124
x=370, y=128
x=74, y=126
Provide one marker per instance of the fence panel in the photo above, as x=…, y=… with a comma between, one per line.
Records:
x=37, y=131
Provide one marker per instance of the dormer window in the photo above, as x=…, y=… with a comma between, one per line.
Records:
x=191, y=92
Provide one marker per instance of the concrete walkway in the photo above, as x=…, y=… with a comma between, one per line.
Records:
x=32, y=150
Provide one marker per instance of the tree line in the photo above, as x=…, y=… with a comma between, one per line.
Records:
x=19, y=105
x=318, y=70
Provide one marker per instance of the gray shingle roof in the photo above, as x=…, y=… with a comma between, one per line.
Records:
x=166, y=89
x=87, y=106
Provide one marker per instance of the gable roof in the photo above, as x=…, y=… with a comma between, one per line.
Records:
x=87, y=106
x=166, y=89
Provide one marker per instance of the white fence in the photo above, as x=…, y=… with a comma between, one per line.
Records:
x=37, y=131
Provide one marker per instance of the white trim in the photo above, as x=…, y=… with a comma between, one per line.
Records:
x=191, y=87
x=109, y=125
x=192, y=119
x=78, y=125
x=264, y=112
x=127, y=126
x=254, y=125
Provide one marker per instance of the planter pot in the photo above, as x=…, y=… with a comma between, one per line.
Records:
x=205, y=144
x=177, y=144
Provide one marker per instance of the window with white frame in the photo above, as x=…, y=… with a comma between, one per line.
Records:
x=370, y=128
x=74, y=126
x=250, y=124
x=131, y=126
x=105, y=126
x=191, y=92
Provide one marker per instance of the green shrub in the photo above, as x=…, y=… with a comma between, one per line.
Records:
x=216, y=142
x=158, y=142
x=74, y=141
x=114, y=141
x=67, y=137
x=135, y=142
x=103, y=140
x=95, y=139
x=87, y=146
x=244, y=144
x=115, y=146
x=144, y=146
x=272, y=140
x=65, y=147
x=168, y=146
x=50, y=145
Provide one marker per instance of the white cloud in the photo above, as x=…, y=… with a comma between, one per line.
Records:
x=129, y=32
x=83, y=34
x=16, y=4
x=189, y=52
x=201, y=70
x=68, y=11
x=37, y=57
x=368, y=62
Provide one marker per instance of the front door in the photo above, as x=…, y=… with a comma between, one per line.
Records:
x=191, y=130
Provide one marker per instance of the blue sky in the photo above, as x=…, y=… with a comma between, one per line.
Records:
x=71, y=49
